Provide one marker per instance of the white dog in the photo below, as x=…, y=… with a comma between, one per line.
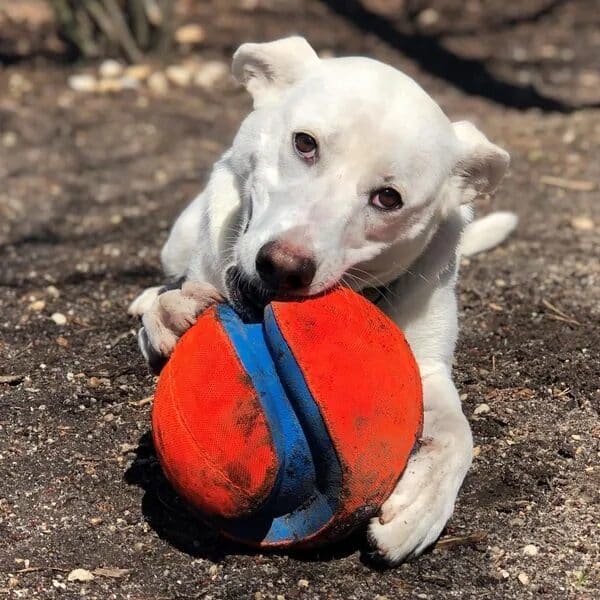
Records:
x=345, y=171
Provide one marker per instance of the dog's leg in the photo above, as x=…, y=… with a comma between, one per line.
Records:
x=171, y=314
x=175, y=255
x=414, y=515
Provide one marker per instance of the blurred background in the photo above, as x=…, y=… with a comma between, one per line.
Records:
x=64, y=60
x=112, y=113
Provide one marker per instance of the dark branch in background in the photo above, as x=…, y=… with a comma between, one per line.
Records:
x=469, y=75
x=126, y=28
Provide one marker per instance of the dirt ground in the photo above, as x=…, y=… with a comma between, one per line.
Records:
x=89, y=186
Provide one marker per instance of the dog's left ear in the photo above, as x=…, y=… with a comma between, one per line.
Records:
x=481, y=164
x=267, y=69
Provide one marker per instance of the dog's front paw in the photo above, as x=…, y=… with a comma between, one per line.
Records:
x=172, y=313
x=143, y=303
x=415, y=514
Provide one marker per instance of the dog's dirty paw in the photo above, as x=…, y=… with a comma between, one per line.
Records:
x=415, y=514
x=172, y=313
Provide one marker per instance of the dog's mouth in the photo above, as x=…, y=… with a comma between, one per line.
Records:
x=247, y=296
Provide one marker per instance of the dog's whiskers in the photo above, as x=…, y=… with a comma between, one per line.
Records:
x=386, y=291
x=365, y=283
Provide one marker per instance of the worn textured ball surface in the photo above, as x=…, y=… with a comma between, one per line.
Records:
x=290, y=431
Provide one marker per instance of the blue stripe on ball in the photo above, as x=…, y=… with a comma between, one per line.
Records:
x=304, y=498
x=289, y=439
x=325, y=459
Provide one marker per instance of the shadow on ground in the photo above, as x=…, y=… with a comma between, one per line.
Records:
x=168, y=515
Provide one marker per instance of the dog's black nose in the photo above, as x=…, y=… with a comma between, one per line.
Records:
x=283, y=267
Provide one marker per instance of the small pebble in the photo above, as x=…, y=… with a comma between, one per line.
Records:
x=568, y=137
x=126, y=448
x=523, y=578
x=128, y=83
x=81, y=575
x=589, y=79
x=303, y=583
x=210, y=73
x=158, y=83
x=83, y=82
x=481, y=409
x=530, y=550
x=94, y=382
x=19, y=84
x=179, y=75
x=428, y=17
x=138, y=72
x=95, y=521
x=59, y=318
x=9, y=139
x=108, y=86
x=160, y=176
x=582, y=223
x=190, y=34
x=110, y=69
x=548, y=51
x=52, y=291
x=37, y=306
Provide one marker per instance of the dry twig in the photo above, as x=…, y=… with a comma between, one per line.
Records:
x=461, y=540
x=575, y=185
x=559, y=315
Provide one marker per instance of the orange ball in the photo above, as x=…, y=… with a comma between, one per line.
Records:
x=290, y=431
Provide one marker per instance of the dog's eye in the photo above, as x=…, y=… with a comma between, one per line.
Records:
x=386, y=199
x=306, y=146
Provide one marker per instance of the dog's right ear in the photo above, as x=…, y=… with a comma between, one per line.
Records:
x=482, y=164
x=267, y=69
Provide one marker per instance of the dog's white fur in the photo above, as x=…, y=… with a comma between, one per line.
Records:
x=375, y=126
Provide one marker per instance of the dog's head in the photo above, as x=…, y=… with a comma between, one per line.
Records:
x=346, y=168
